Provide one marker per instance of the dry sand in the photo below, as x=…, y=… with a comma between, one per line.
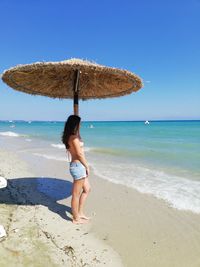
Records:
x=39, y=233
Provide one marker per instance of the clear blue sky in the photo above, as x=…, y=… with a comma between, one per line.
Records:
x=158, y=40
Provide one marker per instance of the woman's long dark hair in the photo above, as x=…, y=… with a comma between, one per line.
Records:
x=71, y=127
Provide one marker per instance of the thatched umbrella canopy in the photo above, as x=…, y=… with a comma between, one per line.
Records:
x=73, y=78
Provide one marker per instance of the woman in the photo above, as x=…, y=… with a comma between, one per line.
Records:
x=79, y=168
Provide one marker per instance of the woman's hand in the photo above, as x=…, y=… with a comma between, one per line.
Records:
x=87, y=171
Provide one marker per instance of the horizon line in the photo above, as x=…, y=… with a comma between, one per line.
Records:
x=156, y=120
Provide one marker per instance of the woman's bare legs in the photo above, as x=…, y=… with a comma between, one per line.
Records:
x=76, y=192
x=84, y=195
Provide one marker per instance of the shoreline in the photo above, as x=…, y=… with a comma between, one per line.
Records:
x=142, y=229
x=156, y=160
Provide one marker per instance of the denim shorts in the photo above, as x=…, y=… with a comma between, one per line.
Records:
x=77, y=170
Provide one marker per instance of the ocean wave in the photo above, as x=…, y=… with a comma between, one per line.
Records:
x=50, y=157
x=11, y=134
x=62, y=146
x=178, y=192
x=86, y=148
x=28, y=140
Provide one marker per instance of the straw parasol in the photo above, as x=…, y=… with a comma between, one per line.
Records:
x=74, y=78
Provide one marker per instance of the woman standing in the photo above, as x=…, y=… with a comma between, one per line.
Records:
x=79, y=168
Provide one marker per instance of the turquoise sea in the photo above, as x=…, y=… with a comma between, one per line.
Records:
x=161, y=158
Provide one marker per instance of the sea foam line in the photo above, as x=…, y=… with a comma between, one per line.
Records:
x=180, y=193
x=62, y=146
x=11, y=134
x=50, y=157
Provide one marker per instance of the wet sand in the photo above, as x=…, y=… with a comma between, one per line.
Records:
x=145, y=231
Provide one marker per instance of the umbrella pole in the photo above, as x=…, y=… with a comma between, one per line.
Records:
x=76, y=90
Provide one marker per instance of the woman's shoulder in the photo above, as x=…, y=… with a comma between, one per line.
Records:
x=73, y=137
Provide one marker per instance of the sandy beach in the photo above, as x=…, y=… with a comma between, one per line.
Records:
x=128, y=228
x=39, y=231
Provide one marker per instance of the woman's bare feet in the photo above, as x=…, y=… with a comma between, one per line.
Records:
x=83, y=216
x=79, y=221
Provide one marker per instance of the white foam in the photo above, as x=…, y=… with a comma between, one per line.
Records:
x=51, y=157
x=86, y=148
x=28, y=140
x=11, y=134
x=178, y=192
x=60, y=146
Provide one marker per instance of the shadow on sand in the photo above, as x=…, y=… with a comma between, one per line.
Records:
x=38, y=191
